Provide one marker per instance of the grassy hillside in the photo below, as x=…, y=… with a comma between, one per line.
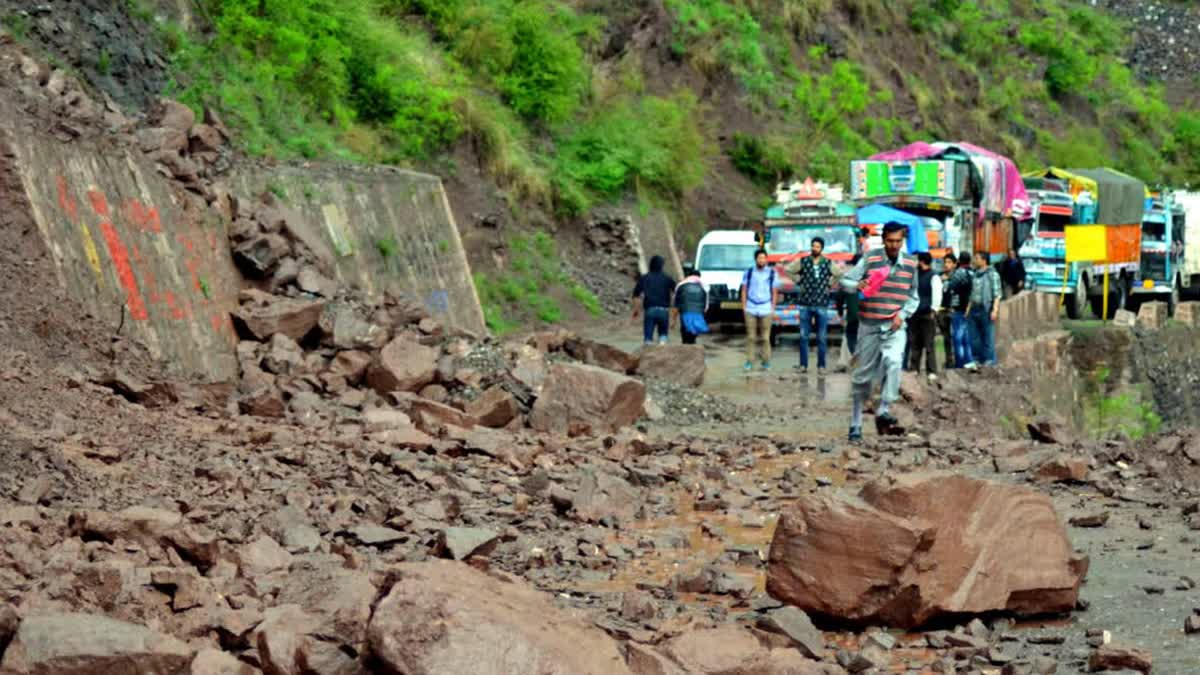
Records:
x=683, y=103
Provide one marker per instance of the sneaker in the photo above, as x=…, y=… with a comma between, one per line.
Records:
x=748, y=367
x=932, y=377
x=855, y=435
x=800, y=368
x=971, y=366
x=884, y=423
x=766, y=365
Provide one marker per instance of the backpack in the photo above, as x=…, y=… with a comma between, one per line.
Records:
x=770, y=283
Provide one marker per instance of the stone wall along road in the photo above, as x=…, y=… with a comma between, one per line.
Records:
x=136, y=250
x=382, y=227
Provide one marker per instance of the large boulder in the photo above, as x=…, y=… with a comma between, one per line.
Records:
x=922, y=546
x=403, y=365
x=683, y=364
x=87, y=643
x=445, y=617
x=265, y=315
x=578, y=399
x=596, y=353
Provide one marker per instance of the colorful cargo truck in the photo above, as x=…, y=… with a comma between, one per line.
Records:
x=1160, y=273
x=969, y=197
x=1094, y=197
x=801, y=212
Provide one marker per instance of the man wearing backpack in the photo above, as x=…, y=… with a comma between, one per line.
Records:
x=759, y=297
x=690, y=302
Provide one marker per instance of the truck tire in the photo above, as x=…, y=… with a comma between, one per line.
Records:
x=1077, y=300
x=1116, y=291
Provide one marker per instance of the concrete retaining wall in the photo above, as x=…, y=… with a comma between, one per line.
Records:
x=382, y=228
x=1024, y=316
x=124, y=240
x=656, y=236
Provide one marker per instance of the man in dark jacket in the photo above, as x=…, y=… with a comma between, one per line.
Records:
x=653, y=293
x=690, y=301
x=1012, y=273
x=922, y=325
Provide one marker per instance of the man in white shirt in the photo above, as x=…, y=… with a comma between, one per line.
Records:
x=759, y=297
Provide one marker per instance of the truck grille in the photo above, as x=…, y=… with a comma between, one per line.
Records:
x=1154, y=266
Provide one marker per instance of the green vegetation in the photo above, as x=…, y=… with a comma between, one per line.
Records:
x=526, y=288
x=1127, y=413
x=387, y=247
x=104, y=62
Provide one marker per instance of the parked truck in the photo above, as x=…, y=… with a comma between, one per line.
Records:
x=1160, y=273
x=1093, y=197
x=968, y=197
x=802, y=212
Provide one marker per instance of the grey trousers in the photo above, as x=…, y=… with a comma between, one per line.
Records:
x=880, y=356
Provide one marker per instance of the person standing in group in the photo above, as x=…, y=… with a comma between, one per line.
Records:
x=690, y=302
x=813, y=276
x=923, y=324
x=959, y=288
x=652, y=296
x=851, y=297
x=949, y=267
x=759, y=298
x=888, y=281
x=983, y=311
x=1012, y=274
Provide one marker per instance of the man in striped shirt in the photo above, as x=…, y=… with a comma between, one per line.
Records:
x=888, y=280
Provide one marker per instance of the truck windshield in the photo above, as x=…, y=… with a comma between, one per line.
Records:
x=1154, y=229
x=1053, y=223
x=795, y=239
x=726, y=257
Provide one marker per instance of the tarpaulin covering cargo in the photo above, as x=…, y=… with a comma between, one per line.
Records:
x=1000, y=189
x=1121, y=198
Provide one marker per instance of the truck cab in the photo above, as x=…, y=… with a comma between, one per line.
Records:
x=722, y=258
x=802, y=212
x=1044, y=250
x=1159, y=275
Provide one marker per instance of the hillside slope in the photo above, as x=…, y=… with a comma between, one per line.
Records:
x=539, y=112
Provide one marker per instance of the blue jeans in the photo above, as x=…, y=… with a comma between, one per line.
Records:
x=807, y=315
x=656, y=317
x=959, y=340
x=983, y=336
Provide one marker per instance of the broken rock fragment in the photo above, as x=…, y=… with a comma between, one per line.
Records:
x=445, y=617
x=921, y=546
x=682, y=364
x=580, y=399
x=265, y=315
x=86, y=643
x=403, y=365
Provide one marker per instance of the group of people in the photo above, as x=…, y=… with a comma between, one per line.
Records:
x=662, y=303
x=894, y=305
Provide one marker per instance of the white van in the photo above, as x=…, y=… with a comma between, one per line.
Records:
x=722, y=258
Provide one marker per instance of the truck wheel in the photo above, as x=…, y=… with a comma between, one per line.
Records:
x=1077, y=301
x=1115, y=293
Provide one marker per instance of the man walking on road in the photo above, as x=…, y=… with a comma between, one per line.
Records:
x=812, y=276
x=956, y=294
x=983, y=312
x=923, y=324
x=888, y=281
x=653, y=293
x=1012, y=274
x=949, y=267
x=759, y=298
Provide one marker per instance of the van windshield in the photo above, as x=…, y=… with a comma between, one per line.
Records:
x=726, y=257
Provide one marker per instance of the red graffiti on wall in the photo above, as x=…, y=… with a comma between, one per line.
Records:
x=144, y=217
x=136, y=225
x=66, y=201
